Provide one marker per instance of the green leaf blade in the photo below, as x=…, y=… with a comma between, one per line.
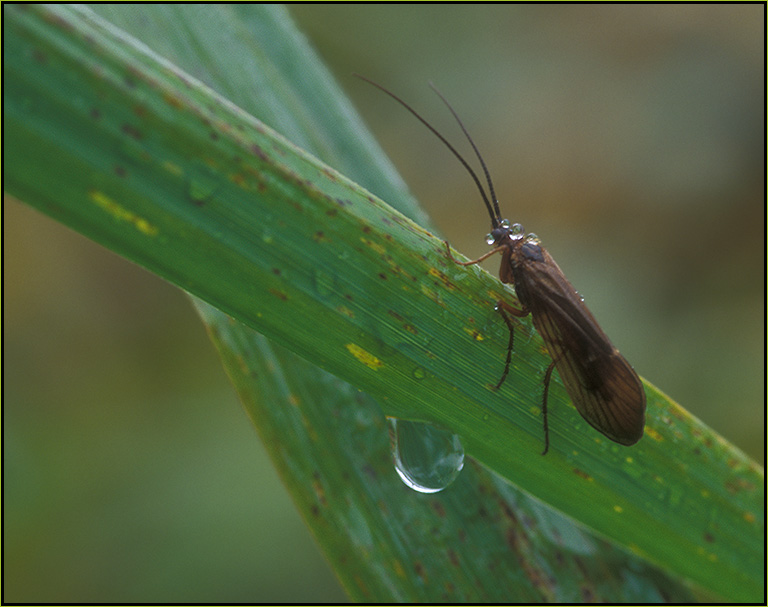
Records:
x=160, y=169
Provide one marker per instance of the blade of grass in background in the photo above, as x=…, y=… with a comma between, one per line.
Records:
x=144, y=160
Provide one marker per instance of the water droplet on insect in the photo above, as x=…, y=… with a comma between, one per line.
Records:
x=532, y=238
x=489, y=239
x=516, y=230
x=427, y=458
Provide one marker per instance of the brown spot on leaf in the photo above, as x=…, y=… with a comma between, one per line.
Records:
x=438, y=508
x=419, y=569
x=582, y=474
x=453, y=557
x=132, y=131
x=259, y=153
x=330, y=174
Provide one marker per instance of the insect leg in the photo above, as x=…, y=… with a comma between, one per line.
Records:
x=547, y=377
x=502, y=308
x=509, y=346
x=478, y=260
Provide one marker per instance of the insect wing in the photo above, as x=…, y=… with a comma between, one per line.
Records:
x=603, y=386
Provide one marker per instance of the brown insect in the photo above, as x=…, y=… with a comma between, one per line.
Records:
x=602, y=385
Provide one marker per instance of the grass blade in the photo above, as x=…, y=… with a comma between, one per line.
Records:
x=127, y=149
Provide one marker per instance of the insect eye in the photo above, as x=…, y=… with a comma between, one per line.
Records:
x=497, y=234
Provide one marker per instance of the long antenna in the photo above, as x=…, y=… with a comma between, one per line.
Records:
x=495, y=217
x=474, y=147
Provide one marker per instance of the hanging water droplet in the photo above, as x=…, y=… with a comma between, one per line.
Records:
x=427, y=458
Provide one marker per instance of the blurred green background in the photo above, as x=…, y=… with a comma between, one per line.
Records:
x=629, y=138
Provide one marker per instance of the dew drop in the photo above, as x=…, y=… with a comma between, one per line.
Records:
x=323, y=283
x=427, y=458
x=675, y=495
x=419, y=373
x=201, y=189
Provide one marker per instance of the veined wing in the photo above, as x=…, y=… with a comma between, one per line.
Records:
x=603, y=386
